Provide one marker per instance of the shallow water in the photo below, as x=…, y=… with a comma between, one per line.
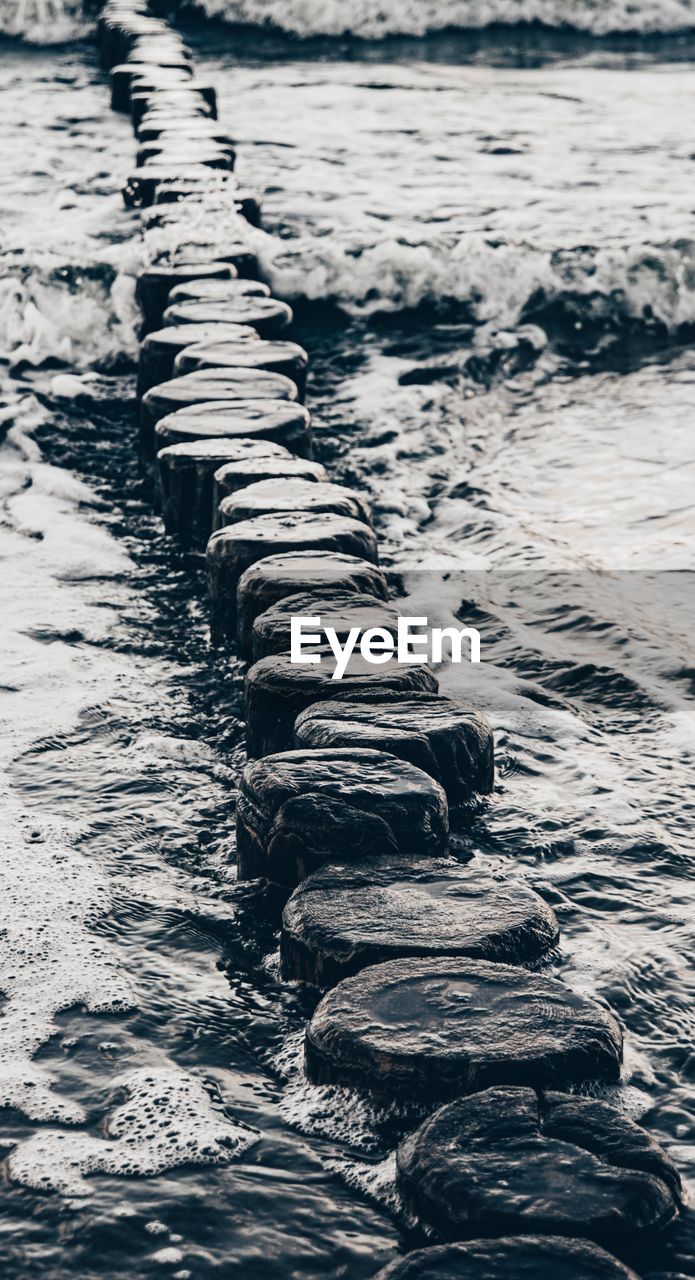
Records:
x=432, y=202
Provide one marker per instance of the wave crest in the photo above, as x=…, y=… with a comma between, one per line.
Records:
x=43, y=21
x=370, y=20
x=74, y=315
x=59, y=21
x=498, y=284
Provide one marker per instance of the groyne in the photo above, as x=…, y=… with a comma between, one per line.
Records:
x=347, y=798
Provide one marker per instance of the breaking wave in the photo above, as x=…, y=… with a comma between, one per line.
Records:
x=578, y=296
x=584, y=300
x=57, y=21
x=67, y=314
x=374, y=19
x=43, y=21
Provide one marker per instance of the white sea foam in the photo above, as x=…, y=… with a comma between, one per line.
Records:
x=210, y=218
x=372, y=20
x=167, y=1120
x=43, y=315
x=51, y=960
x=377, y=1181
x=53, y=957
x=43, y=21
x=338, y=1113
x=56, y=21
x=494, y=281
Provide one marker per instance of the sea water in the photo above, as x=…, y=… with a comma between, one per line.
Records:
x=488, y=242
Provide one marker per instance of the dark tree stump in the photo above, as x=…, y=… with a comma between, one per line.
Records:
x=189, y=253
x=267, y=316
x=153, y=286
x=186, y=190
x=174, y=93
x=124, y=35
x=443, y=737
x=277, y=690
x=231, y=551
x=155, y=80
x=346, y=917
x=289, y=494
x=231, y=291
x=160, y=348
x=160, y=127
x=170, y=152
x=186, y=480
x=341, y=610
x=521, y=1258
x=286, y=358
x=203, y=388
x=194, y=98
x=297, y=809
x=424, y=1031
x=510, y=1160
x=123, y=75
x=238, y=475
x=141, y=186
x=278, y=576
x=283, y=421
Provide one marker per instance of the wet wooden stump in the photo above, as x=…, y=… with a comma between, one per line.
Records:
x=161, y=119
x=141, y=187
x=124, y=36
x=346, y=917
x=298, y=809
x=424, y=1031
x=187, y=256
x=191, y=252
x=187, y=190
x=124, y=73
x=216, y=291
x=202, y=388
x=160, y=348
x=195, y=99
x=175, y=147
x=153, y=44
x=449, y=740
x=272, y=579
x=340, y=610
x=156, y=124
x=277, y=690
x=267, y=315
x=286, y=358
x=511, y=1258
x=283, y=421
x=233, y=549
x=193, y=221
x=238, y=475
x=173, y=151
x=149, y=82
x=154, y=284
x=291, y=494
x=186, y=481
x=174, y=121
x=511, y=1160
x=156, y=140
